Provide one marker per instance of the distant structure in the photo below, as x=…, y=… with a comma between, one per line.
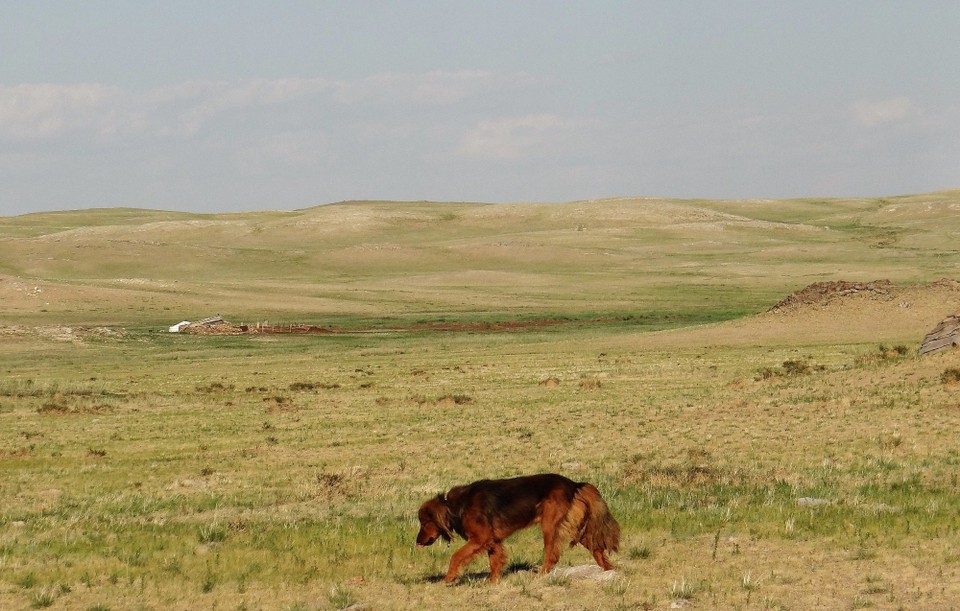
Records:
x=180, y=326
x=944, y=335
x=212, y=320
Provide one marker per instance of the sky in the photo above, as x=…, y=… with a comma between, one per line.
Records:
x=217, y=106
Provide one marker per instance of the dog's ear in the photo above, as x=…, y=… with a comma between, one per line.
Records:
x=443, y=516
x=454, y=495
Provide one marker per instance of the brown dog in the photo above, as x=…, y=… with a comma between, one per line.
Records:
x=488, y=511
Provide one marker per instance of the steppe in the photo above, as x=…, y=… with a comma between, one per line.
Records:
x=760, y=451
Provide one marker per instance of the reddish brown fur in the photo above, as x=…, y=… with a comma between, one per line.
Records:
x=486, y=512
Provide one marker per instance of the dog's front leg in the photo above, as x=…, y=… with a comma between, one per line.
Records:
x=462, y=558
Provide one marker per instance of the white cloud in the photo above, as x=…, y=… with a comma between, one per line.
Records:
x=883, y=112
x=437, y=88
x=45, y=111
x=513, y=138
x=205, y=100
x=31, y=112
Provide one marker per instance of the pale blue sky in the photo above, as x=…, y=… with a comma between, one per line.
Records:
x=231, y=106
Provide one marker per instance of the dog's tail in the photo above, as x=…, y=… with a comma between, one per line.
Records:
x=589, y=521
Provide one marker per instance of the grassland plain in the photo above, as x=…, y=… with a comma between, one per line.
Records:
x=796, y=459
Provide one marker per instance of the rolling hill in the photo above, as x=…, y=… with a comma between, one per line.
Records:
x=698, y=260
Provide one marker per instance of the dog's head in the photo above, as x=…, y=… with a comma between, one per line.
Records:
x=435, y=517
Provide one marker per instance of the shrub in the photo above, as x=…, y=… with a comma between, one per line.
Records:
x=455, y=399
x=215, y=387
x=590, y=384
x=53, y=408
x=789, y=368
x=951, y=375
x=795, y=368
x=303, y=386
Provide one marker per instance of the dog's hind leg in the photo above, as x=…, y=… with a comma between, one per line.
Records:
x=462, y=558
x=602, y=560
x=550, y=522
x=551, y=555
x=498, y=561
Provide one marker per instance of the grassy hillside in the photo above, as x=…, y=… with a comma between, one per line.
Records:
x=705, y=259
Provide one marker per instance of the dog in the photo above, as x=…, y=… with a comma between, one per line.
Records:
x=488, y=511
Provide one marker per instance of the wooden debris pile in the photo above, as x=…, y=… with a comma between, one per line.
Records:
x=221, y=328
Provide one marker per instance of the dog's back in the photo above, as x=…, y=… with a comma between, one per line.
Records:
x=514, y=501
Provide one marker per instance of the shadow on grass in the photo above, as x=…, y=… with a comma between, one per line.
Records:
x=513, y=567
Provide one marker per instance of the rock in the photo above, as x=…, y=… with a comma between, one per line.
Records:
x=584, y=572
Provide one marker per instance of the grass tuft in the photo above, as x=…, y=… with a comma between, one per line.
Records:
x=341, y=597
x=211, y=533
x=44, y=597
x=685, y=590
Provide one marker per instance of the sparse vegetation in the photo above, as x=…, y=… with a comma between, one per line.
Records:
x=789, y=368
x=454, y=399
x=157, y=470
x=214, y=387
x=704, y=468
x=884, y=353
